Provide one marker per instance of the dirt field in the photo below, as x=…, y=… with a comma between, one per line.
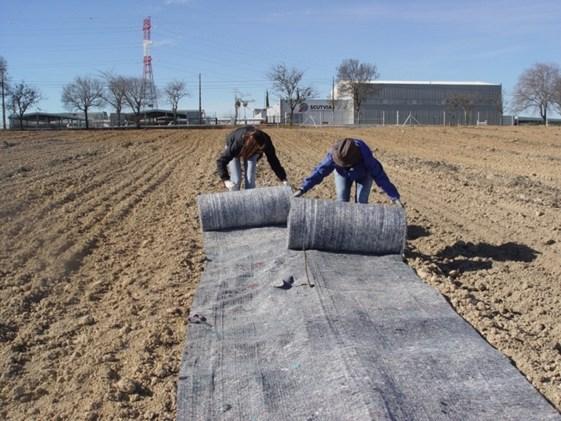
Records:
x=101, y=251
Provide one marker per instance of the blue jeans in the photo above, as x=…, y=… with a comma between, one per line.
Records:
x=235, y=171
x=343, y=188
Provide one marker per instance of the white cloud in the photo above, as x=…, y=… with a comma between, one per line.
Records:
x=164, y=43
x=170, y=2
x=481, y=15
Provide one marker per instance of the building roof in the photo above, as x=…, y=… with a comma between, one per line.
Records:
x=50, y=116
x=163, y=112
x=431, y=82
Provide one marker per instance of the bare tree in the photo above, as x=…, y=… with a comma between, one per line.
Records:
x=352, y=80
x=115, y=93
x=82, y=94
x=21, y=97
x=175, y=91
x=464, y=102
x=135, y=95
x=287, y=83
x=3, y=87
x=536, y=88
x=557, y=94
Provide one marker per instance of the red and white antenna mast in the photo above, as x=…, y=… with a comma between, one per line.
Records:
x=151, y=99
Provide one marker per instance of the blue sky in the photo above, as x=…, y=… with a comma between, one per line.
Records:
x=233, y=44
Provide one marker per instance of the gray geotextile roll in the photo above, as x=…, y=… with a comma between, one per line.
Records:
x=346, y=227
x=244, y=209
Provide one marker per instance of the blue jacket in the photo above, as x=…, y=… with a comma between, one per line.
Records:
x=369, y=166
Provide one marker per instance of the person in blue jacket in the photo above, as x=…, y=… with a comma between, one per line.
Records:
x=353, y=162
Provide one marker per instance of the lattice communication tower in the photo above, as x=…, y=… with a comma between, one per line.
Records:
x=149, y=87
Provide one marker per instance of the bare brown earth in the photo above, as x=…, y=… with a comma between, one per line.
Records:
x=101, y=251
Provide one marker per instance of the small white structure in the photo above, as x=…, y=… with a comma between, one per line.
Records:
x=268, y=115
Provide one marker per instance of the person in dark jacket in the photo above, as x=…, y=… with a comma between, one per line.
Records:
x=353, y=161
x=247, y=144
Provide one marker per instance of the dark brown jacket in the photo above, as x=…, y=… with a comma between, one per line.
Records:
x=234, y=143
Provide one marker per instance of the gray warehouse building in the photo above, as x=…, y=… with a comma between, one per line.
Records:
x=406, y=102
x=442, y=103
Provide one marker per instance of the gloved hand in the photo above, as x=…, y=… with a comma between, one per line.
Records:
x=285, y=183
x=229, y=184
x=398, y=203
x=298, y=193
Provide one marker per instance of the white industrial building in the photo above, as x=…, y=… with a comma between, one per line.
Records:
x=319, y=111
x=270, y=114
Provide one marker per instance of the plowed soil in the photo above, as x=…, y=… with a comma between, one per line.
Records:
x=101, y=251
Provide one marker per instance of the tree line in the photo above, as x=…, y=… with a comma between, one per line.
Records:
x=85, y=93
x=121, y=92
x=351, y=76
x=538, y=87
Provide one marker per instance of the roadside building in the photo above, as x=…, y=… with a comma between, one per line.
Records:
x=318, y=112
x=426, y=102
x=405, y=102
x=159, y=117
x=42, y=120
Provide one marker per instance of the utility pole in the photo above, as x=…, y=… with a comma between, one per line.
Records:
x=200, y=106
x=267, y=106
x=3, y=103
x=333, y=101
x=3, y=82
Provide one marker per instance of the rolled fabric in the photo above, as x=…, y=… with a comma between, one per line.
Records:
x=346, y=227
x=260, y=207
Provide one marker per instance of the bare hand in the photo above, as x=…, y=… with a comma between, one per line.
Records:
x=229, y=185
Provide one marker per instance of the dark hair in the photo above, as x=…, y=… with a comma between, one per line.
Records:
x=253, y=142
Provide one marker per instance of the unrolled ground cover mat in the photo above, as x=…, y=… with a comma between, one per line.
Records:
x=347, y=336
